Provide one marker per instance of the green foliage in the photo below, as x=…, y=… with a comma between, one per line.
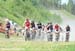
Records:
x=73, y=10
x=19, y=10
x=70, y=7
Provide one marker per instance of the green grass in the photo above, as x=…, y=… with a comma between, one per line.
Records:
x=37, y=46
x=17, y=44
x=19, y=10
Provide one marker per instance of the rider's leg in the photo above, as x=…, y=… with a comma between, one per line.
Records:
x=8, y=33
x=57, y=36
x=33, y=34
x=51, y=37
x=39, y=33
x=28, y=34
x=67, y=37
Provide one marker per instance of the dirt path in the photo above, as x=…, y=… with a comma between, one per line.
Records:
x=66, y=21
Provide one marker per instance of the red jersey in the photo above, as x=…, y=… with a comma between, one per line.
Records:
x=56, y=27
x=27, y=24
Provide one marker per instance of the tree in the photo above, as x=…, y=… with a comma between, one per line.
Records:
x=69, y=6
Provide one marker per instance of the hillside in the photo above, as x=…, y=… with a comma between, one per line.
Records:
x=18, y=10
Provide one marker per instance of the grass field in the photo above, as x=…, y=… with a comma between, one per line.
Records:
x=18, y=44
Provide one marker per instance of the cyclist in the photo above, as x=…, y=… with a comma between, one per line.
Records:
x=67, y=33
x=50, y=31
x=27, y=28
x=33, y=30
x=8, y=29
x=57, y=32
x=39, y=25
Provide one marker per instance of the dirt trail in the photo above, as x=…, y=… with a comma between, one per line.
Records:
x=66, y=21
